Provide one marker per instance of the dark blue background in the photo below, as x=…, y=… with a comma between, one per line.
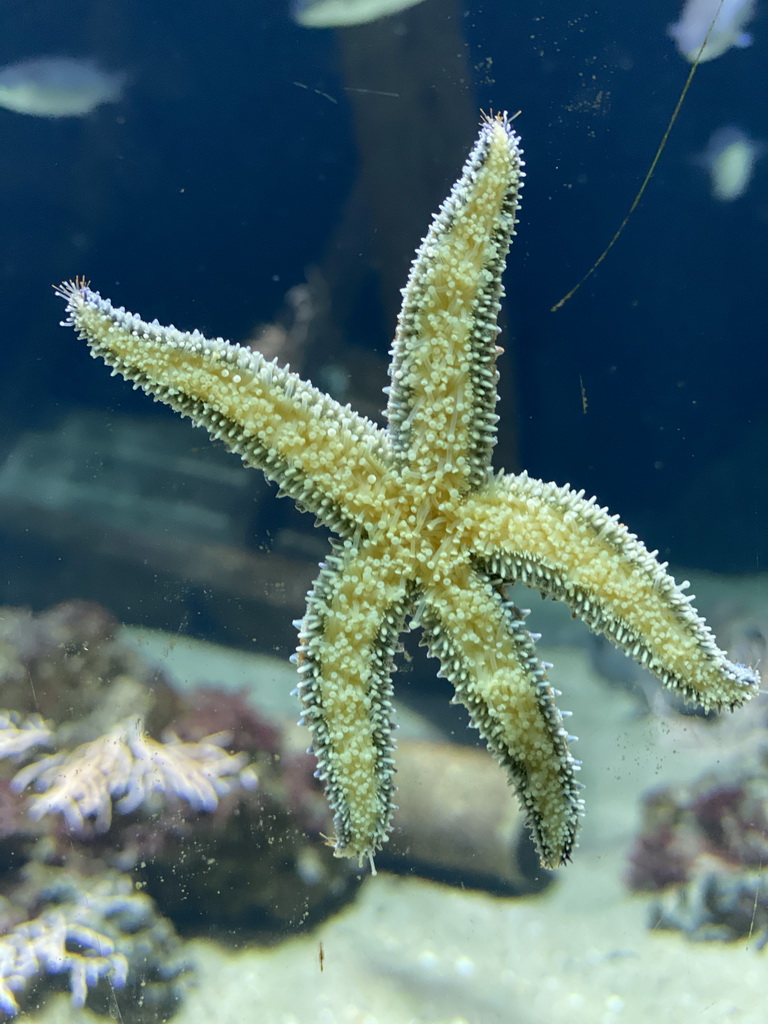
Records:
x=203, y=197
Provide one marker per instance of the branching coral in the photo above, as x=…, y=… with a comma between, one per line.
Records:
x=44, y=946
x=19, y=735
x=146, y=810
x=97, y=933
x=128, y=766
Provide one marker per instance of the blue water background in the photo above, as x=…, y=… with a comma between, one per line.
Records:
x=202, y=198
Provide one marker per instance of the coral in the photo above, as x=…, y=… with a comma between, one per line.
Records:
x=211, y=710
x=147, y=789
x=128, y=766
x=70, y=665
x=20, y=735
x=717, y=907
x=90, y=930
x=704, y=847
x=721, y=819
x=43, y=945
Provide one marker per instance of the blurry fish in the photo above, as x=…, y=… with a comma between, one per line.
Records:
x=730, y=159
x=327, y=13
x=727, y=23
x=58, y=86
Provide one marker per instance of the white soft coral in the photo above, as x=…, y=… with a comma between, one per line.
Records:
x=128, y=767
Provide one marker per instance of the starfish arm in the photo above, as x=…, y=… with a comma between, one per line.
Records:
x=553, y=540
x=424, y=521
x=488, y=654
x=348, y=638
x=443, y=395
x=333, y=462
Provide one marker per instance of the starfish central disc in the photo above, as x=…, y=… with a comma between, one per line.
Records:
x=425, y=528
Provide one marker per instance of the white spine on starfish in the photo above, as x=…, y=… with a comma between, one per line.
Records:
x=328, y=458
x=425, y=526
x=355, y=612
x=552, y=539
x=443, y=393
x=489, y=657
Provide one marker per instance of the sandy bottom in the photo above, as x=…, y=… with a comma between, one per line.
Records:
x=409, y=951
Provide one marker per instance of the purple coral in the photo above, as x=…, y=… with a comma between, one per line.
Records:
x=42, y=946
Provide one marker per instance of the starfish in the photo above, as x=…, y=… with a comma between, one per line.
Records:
x=426, y=528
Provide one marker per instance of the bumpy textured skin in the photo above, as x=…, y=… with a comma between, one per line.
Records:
x=426, y=528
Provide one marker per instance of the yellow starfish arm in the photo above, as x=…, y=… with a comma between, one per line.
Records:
x=488, y=654
x=332, y=461
x=347, y=641
x=425, y=523
x=552, y=539
x=443, y=393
